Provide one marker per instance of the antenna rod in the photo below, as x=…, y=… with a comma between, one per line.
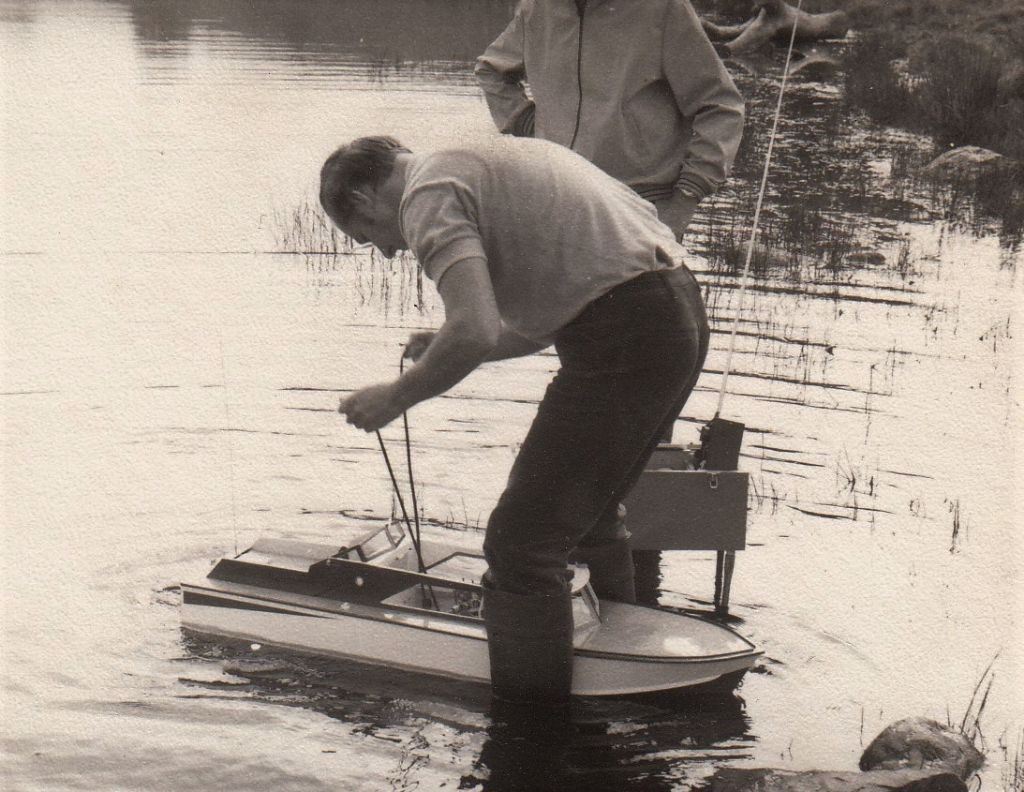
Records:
x=757, y=217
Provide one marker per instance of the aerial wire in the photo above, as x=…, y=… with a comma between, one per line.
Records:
x=757, y=216
x=414, y=524
x=231, y=445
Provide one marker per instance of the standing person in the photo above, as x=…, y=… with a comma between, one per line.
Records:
x=632, y=85
x=531, y=245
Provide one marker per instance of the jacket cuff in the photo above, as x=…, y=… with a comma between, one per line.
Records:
x=694, y=186
x=522, y=125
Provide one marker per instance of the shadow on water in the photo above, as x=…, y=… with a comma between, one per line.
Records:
x=649, y=741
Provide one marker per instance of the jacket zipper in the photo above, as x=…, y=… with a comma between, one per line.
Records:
x=581, y=9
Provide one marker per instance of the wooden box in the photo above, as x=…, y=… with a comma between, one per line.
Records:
x=673, y=507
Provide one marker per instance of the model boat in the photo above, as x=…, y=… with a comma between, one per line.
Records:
x=368, y=602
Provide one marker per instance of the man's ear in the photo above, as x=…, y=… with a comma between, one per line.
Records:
x=363, y=199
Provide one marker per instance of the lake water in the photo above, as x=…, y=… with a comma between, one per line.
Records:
x=170, y=376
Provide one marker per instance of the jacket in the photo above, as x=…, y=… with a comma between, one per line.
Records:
x=632, y=85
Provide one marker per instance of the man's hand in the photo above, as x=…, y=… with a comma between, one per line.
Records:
x=371, y=408
x=677, y=212
x=471, y=329
x=417, y=345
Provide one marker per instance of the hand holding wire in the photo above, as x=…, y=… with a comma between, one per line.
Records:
x=371, y=408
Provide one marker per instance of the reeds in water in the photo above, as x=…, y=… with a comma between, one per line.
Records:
x=970, y=723
x=1013, y=766
x=305, y=229
x=796, y=243
x=307, y=232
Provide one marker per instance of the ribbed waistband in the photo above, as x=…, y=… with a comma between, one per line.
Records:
x=656, y=193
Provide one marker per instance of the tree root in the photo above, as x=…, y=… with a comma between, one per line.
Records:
x=774, y=20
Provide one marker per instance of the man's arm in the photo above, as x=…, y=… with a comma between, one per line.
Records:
x=512, y=345
x=501, y=73
x=706, y=93
x=677, y=211
x=471, y=331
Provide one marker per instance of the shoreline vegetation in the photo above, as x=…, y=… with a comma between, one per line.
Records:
x=944, y=68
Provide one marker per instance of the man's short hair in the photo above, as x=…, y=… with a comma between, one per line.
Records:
x=364, y=161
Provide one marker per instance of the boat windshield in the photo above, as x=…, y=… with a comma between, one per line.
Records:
x=380, y=541
x=586, y=613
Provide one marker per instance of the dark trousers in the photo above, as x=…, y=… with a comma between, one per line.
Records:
x=629, y=361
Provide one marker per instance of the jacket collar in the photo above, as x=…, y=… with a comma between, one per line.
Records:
x=578, y=5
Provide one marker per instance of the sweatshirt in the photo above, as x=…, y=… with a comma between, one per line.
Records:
x=632, y=85
x=555, y=231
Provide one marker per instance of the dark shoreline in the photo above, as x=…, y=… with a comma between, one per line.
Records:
x=943, y=68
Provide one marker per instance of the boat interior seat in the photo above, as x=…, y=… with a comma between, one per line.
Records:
x=470, y=567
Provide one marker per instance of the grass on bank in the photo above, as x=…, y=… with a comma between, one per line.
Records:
x=996, y=23
x=957, y=91
x=950, y=87
x=951, y=69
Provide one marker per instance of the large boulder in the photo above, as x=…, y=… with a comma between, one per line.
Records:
x=965, y=163
x=923, y=744
x=911, y=755
x=760, y=780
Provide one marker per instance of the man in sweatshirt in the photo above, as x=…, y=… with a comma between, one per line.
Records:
x=530, y=245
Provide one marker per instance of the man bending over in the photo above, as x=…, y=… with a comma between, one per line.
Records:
x=530, y=245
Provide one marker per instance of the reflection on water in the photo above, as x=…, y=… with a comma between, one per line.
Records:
x=607, y=746
x=401, y=35
x=169, y=392
x=652, y=742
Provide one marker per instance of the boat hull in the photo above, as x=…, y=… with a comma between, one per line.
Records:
x=436, y=644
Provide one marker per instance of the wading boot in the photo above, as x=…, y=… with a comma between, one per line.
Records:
x=647, y=576
x=527, y=748
x=529, y=639
x=605, y=551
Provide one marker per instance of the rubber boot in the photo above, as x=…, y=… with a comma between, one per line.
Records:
x=605, y=550
x=647, y=576
x=527, y=748
x=529, y=639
